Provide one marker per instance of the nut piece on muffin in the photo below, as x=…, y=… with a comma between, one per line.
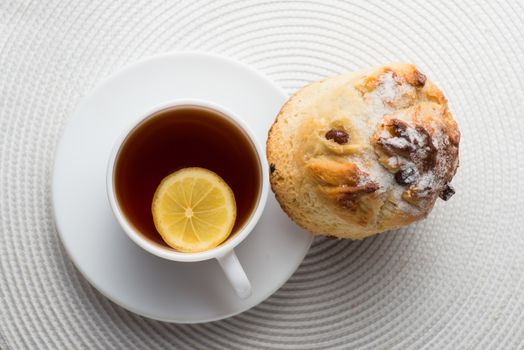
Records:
x=363, y=152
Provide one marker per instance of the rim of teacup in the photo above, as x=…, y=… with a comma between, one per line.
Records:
x=164, y=251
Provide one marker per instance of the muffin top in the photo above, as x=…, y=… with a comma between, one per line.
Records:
x=363, y=152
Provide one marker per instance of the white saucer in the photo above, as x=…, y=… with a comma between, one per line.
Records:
x=117, y=267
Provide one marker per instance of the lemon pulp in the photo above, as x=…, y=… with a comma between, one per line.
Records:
x=194, y=209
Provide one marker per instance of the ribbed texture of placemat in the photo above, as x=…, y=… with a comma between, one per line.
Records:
x=453, y=281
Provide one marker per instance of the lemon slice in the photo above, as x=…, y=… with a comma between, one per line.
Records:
x=194, y=209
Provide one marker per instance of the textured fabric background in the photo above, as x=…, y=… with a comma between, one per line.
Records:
x=454, y=281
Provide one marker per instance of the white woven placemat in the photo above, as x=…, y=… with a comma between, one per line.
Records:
x=453, y=281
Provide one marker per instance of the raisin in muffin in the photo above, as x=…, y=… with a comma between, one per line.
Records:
x=363, y=152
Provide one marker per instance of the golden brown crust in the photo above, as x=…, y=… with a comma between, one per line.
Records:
x=340, y=182
x=363, y=152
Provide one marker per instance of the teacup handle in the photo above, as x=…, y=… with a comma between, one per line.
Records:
x=235, y=274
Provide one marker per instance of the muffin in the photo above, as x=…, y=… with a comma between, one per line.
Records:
x=364, y=152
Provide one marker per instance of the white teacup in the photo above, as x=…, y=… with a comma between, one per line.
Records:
x=224, y=253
